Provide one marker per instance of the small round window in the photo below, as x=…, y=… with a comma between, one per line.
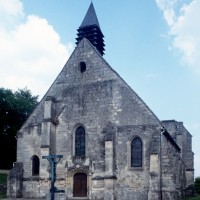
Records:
x=82, y=67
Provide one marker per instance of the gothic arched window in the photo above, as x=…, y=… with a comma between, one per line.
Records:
x=136, y=152
x=35, y=165
x=80, y=141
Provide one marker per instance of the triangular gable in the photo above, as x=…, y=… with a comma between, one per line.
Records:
x=97, y=70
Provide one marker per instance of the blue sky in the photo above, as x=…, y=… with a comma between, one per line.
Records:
x=153, y=45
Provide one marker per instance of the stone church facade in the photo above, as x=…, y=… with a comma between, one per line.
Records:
x=113, y=145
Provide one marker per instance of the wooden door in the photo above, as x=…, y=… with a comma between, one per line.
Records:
x=80, y=185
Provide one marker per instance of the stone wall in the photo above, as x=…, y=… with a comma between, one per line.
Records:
x=173, y=171
x=14, y=182
x=184, y=140
x=137, y=182
x=112, y=115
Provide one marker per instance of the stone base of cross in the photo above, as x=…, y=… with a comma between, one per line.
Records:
x=53, y=161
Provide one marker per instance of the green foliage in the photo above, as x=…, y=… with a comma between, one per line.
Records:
x=197, y=185
x=193, y=198
x=3, y=181
x=15, y=107
x=3, y=178
x=2, y=195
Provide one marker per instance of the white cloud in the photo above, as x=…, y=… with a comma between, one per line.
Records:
x=11, y=7
x=11, y=11
x=31, y=52
x=184, y=29
x=167, y=6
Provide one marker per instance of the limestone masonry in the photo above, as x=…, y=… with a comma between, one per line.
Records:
x=113, y=145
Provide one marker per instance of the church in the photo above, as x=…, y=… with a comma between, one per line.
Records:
x=113, y=146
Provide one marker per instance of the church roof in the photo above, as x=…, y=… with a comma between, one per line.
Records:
x=90, y=29
x=90, y=17
x=170, y=139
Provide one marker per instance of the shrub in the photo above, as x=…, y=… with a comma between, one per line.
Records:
x=197, y=185
x=3, y=178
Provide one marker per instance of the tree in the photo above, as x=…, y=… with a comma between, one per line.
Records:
x=15, y=107
x=197, y=185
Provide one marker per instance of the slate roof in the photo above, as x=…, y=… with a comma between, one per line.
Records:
x=90, y=29
x=90, y=17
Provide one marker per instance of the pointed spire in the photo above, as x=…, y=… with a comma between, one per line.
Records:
x=90, y=17
x=90, y=29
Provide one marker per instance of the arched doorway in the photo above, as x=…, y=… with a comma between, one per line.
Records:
x=80, y=185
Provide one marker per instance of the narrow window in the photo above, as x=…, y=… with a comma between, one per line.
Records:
x=82, y=67
x=80, y=185
x=80, y=141
x=136, y=152
x=35, y=165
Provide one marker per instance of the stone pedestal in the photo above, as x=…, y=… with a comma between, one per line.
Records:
x=14, y=186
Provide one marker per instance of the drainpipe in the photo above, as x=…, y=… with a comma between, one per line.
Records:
x=161, y=161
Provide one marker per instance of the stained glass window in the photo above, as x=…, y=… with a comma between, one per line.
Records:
x=136, y=152
x=80, y=141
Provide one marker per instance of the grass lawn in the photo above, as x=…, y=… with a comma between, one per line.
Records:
x=193, y=198
x=3, y=181
x=2, y=195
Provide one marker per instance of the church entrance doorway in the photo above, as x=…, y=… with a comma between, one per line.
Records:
x=80, y=185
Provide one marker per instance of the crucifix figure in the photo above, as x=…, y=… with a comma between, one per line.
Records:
x=53, y=161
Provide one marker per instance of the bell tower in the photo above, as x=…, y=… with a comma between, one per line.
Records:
x=90, y=29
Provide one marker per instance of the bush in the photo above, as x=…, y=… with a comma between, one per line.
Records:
x=193, y=198
x=197, y=185
x=3, y=185
x=3, y=178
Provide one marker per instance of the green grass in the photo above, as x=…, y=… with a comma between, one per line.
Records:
x=193, y=198
x=3, y=180
x=2, y=195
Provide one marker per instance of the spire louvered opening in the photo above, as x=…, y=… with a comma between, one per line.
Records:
x=90, y=29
